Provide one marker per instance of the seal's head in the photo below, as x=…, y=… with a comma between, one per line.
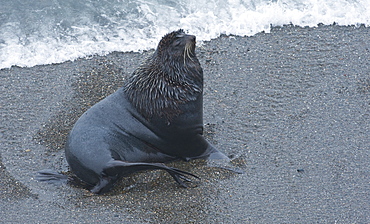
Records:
x=170, y=77
x=177, y=45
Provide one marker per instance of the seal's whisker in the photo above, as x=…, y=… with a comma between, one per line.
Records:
x=188, y=53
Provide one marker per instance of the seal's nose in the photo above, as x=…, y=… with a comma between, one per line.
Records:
x=192, y=38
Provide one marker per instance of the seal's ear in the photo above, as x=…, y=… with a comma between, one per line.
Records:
x=180, y=33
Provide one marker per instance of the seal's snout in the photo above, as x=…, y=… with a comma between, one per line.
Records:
x=190, y=38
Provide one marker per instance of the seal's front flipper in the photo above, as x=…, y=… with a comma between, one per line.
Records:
x=217, y=155
x=116, y=168
x=104, y=185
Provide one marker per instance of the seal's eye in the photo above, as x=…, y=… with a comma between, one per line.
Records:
x=177, y=42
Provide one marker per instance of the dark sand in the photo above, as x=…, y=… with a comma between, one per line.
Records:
x=291, y=107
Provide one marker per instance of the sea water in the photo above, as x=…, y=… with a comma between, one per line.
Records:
x=34, y=32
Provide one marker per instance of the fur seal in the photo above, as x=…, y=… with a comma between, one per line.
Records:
x=156, y=117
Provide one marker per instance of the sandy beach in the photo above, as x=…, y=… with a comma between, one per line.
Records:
x=290, y=107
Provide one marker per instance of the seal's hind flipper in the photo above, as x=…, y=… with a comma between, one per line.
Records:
x=51, y=176
x=117, y=168
x=178, y=176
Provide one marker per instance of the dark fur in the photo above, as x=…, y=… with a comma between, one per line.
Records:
x=170, y=77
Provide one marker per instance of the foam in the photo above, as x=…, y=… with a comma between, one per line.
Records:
x=139, y=25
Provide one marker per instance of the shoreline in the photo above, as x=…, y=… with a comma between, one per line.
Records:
x=272, y=28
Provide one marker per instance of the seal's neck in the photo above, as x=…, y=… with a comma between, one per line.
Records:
x=160, y=85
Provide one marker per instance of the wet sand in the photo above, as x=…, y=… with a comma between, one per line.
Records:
x=290, y=107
